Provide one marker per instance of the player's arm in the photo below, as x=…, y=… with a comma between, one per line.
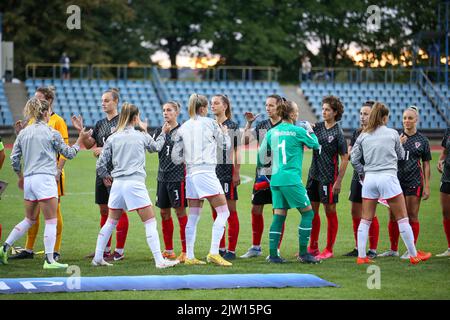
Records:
x=426, y=158
x=157, y=145
x=61, y=127
x=220, y=133
x=262, y=152
x=343, y=153
x=16, y=156
x=356, y=156
x=177, y=155
x=102, y=162
x=309, y=138
x=236, y=159
x=443, y=155
x=61, y=147
x=249, y=133
x=77, y=122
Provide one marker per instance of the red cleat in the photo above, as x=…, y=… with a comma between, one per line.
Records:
x=364, y=260
x=326, y=254
x=421, y=256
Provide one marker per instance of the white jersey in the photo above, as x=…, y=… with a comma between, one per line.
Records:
x=196, y=144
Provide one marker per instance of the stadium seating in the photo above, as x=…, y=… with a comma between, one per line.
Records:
x=6, y=118
x=396, y=96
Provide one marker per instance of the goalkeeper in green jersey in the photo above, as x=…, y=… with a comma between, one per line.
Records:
x=286, y=142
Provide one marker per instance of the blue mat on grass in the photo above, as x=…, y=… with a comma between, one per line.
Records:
x=170, y=282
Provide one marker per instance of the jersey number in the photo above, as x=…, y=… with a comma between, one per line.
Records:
x=177, y=196
x=226, y=187
x=168, y=150
x=407, y=155
x=283, y=150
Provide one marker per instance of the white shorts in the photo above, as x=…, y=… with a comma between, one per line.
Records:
x=202, y=185
x=39, y=187
x=128, y=195
x=380, y=186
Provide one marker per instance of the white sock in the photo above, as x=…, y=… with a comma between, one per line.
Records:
x=191, y=231
x=153, y=239
x=363, y=234
x=50, y=238
x=218, y=228
x=108, y=249
x=407, y=236
x=103, y=237
x=19, y=230
x=119, y=251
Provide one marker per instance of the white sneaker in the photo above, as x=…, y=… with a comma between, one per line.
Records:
x=166, y=264
x=405, y=256
x=252, y=252
x=444, y=254
x=389, y=253
x=101, y=263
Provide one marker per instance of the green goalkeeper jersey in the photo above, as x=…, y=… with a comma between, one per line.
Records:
x=286, y=141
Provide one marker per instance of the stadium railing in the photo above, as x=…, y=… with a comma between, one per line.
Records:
x=441, y=103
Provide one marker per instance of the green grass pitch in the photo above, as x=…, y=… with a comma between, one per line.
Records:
x=399, y=280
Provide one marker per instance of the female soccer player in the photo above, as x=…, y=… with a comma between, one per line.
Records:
x=227, y=171
x=39, y=146
x=325, y=175
x=414, y=181
x=444, y=168
x=198, y=138
x=102, y=130
x=122, y=162
x=355, y=193
x=261, y=196
x=57, y=123
x=171, y=186
x=382, y=149
x=287, y=142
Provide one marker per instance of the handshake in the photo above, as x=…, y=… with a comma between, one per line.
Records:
x=306, y=125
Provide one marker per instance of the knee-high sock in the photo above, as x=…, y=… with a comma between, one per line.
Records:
x=167, y=230
x=182, y=221
x=222, y=244
x=257, y=228
x=50, y=238
x=415, y=226
x=32, y=234
x=356, y=221
x=103, y=237
x=446, y=223
x=151, y=232
x=332, y=229
x=304, y=230
x=121, y=232
x=191, y=231
x=394, y=235
x=218, y=228
x=275, y=233
x=281, y=236
x=103, y=219
x=363, y=232
x=407, y=236
x=315, y=231
x=374, y=233
x=18, y=231
x=59, y=228
x=233, y=231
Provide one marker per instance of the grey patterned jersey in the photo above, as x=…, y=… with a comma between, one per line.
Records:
x=446, y=145
x=225, y=166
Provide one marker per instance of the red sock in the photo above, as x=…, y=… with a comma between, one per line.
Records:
x=222, y=241
x=415, y=226
x=281, y=237
x=257, y=228
x=332, y=230
x=315, y=231
x=103, y=218
x=233, y=230
x=182, y=221
x=122, y=231
x=356, y=222
x=447, y=230
x=167, y=230
x=394, y=234
x=374, y=232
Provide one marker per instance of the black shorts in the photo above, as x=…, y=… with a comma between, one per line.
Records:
x=261, y=197
x=445, y=187
x=230, y=190
x=171, y=195
x=412, y=191
x=319, y=192
x=101, y=191
x=355, y=192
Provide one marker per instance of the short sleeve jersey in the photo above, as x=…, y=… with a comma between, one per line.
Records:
x=261, y=131
x=168, y=171
x=446, y=145
x=417, y=149
x=225, y=166
x=355, y=136
x=102, y=130
x=325, y=161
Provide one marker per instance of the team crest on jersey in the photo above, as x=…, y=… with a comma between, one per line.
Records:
x=417, y=145
x=330, y=139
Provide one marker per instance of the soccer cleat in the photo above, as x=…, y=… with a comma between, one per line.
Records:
x=444, y=254
x=217, y=259
x=372, y=254
x=364, y=260
x=193, y=261
x=308, y=258
x=3, y=256
x=421, y=256
x=276, y=259
x=106, y=254
x=313, y=252
x=101, y=263
x=353, y=253
x=56, y=256
x=24, y=254
x=405, y=256
x=166, y=263
x=55, y=265
x=252, y=252
x=182, y=257
x=326, y=254
x=169, y=255
x=116, y=257
x=389, y=253
x=229, y=256
x=222, y=252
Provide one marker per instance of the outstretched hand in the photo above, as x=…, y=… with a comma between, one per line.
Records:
x=250, y=117
x=77, y=122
